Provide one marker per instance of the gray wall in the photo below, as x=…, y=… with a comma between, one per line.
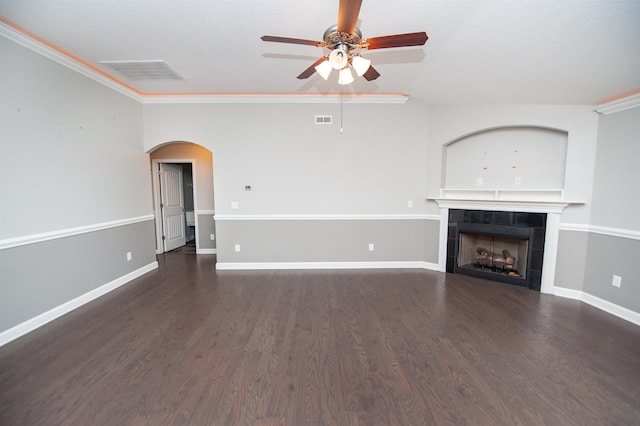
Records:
x=41, y=276
x=206, y=227
x=328, y=240
x=616, y=197
x=616, y=203
x=608, y=255
x=572, y=253
x=71, y=160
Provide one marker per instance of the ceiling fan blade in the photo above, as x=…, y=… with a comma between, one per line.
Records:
x=309, y=71
x=371, y=74
x=348, y=12
x=398, y=40
x=291, y=40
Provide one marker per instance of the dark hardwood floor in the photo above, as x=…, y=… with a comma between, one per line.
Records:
x=188, y=345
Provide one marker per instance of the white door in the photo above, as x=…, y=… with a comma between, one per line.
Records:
x=172, y=206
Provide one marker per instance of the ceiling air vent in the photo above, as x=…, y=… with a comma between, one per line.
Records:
x=324, y=119
x=144, y=70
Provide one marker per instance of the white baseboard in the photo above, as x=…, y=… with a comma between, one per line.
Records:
x=567, y=292
x=206, y=251
x=612, y=308
x=291, y=217
x=42, y=319
x=325, y=265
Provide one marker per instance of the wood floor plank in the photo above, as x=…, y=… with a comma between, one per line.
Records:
x=187, y=344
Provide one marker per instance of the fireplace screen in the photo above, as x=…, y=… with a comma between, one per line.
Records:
x=500, y=255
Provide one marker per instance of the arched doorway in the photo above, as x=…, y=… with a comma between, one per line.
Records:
x=195, y=222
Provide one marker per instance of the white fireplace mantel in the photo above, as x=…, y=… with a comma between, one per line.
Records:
x=504, y=205
x=529, y=201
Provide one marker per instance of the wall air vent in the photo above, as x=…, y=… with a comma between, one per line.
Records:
x=324, y=119
x=144, y=70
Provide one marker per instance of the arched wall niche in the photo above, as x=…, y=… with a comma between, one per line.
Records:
x=510, y=157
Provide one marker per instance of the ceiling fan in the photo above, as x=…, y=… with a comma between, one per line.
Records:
x=345, y=42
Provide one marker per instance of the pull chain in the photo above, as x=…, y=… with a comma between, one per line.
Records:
x=341, y=130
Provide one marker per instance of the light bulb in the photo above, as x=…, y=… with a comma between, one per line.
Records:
x=324, y=69
x=345, y=76
x=360, y=65
x=338, y=58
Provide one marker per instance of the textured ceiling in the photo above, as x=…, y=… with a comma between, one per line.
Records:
x=478, y=52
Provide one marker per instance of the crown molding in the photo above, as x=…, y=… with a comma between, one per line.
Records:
x=276, y=98
x=55, y=54
x=619, y=105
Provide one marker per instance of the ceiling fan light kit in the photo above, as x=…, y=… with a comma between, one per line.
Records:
x=360, y=64
x=324, y=69
x=339, y=57
x=345, y=76
x=345, y=40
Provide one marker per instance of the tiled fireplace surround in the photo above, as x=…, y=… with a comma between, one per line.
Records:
x=481, y=209
x=521, y=229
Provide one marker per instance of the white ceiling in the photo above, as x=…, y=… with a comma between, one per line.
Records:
x=478, y=52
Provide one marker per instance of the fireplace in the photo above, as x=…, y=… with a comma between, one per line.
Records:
x=497, y=245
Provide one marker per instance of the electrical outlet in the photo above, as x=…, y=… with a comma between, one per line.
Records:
x=479, y=181
x=410, y=204
x=371, y=247
x=237, y=248
x=235, y=205
x=129, y=256
x=212, y=237
x=518, y=180
x=616, y=281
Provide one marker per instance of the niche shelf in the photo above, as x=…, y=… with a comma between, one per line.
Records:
x=502, y=194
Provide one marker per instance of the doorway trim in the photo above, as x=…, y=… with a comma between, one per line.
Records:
x=155, y=177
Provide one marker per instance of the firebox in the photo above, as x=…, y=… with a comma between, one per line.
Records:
x=500, y=246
